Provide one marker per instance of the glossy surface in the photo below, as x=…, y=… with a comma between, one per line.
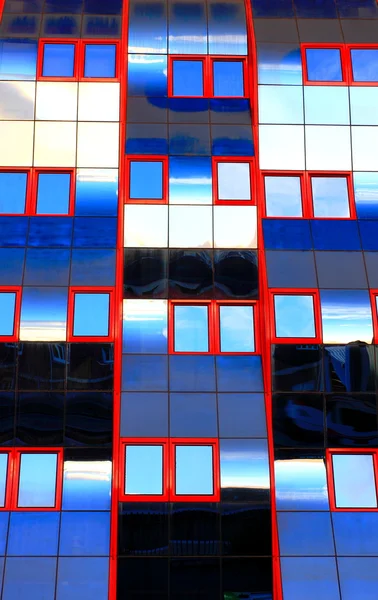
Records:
x=144, y=470
x=38, y=475
x=91, y=315
x=194, y=470
x=191, y=329
x=359, y=491
x=294, y=316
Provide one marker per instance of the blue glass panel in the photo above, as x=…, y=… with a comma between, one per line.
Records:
x=291, y=269
x=91, y=314
x=13, y=232
x=83, y=579
x=354, y=481
x=346, y=316
x=12, y=192
x=93, y=267
x=244, y=468
x=45, y=266
x=294, y=316
x=190, y=180
x=187, y=78
x=7, y=309
x=112, y=7
x=189, y=139
x=100, y=60
x=191, y=373
x=228, y=78
x=50, y=232
x=230, y=110
x=184, y=18
x=4, y=520
x=366, y=195
x=323, y=64
x=95, y=233
x=368, y=233
x=143, y=373
x=322, y=8
x=86, y=485
x=96, y=192
x=194, y=470
x=37, y=486
x=330, y=197
x=101, y=26
x=357, y=8
x=335, y=235
x=58, y=60
x=287, y=234
x=305, y=534
x=279, y=63
x=301, y=483
x=3, y=476
x=146, y=180
x=144, y=470
x=144, y=415
x=310, y=577
x=356, y=533
x=333, y=274
x=283, y=196
x=274, y=8
x=12, y=261
x=53, y=193
x=232, y=140
x=32, y=578
x=84, y=534
x=18, y=59
x=38, y=323
x=33, y=534
x=241, y=415
x=358, y=577
x=147, y=139
x=237, y=329
x=193, y=415
x=227, y=28
x=67, y=26
x=145, y=326
x=147, y=75
x=239, y=374
x=364, y=64
x=191, y=329
x=147, y=27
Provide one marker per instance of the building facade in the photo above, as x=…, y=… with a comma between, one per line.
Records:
x=188, y=299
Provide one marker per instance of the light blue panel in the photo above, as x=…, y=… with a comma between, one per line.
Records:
x=145, y=325
x=310, y=577
x=191, y=328
x=37, y=486
x=294, y=316
x=96, y=192
x=146, y=180
x=193, y=415
x=93, y=267
x=84, y=534
x=305, y=534
x=33, y=533
x=53, y=193
x=184, y=19
x=82, y=579
x=354, y=481
x=364, y=64
x=283, y=196
x=237, y=329
x=187, y=78
x=190, y=180
x=244, y=464
x=144, y=470
x=241, y=415
x=239, y=373
x=86, y=485
x=326, y=105
x=281, y=104
x=330, y=197
x=18, y=59
x=366, y=195
x=144, y=414
x=143, y=373
x=301, y=484
x=194, y=470
x=228, y=78
x=12, y=266
x=346, y=316
x=356, y=533
x=31, y=578
x=147, y=27
x=358, y=578
x=364, y=105
x=279, y=63
x=44, y=313
x=227, y=29
x=12, y=193
x=91, y=314
x=323, y=64
x=7, y=310
x=147, y=75
x=4, y=522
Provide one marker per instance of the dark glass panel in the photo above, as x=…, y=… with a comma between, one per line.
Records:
x=142, y=578
x=349, y=368
x=298, y=420
x=7, y=418
x=145, y=273
x=90, y=366
x=39, y=419
x=247, y=578
x=7, y=366
x=194, y=579
x=42, y=366
x=237, y=523
x=194, y=530
x=143, y=529
x=89, y=419
x=235, y=274
x=191, y=373
x=352, y=420
x=297, y=368
x=190, y=274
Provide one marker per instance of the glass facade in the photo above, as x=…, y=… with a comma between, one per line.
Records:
x=188, y=299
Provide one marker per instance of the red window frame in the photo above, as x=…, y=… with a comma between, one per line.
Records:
x=343, y=60
x=33, y=196
x=127, y=170
x=317, y=339
x=79, y=59
x=169, y=445
x=17, y=289
x=13, y=478
x=300, y=174
x=28, y=173
x=213, y=323
x=207, y=73
x=351, y=47
x=252, y=180
x=374, y=311
x=331, y=482
x=71, y=308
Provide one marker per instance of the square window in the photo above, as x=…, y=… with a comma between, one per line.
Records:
x=236, y=329
x=324, y=64
x=193, y=470
x=191, y=328
x=330, y=197
x=234, y=181
x=4, y=460
x=37, y=480
x=53, y=193
x=364, y=65
x=146, y=180
x=354, y=481
x=228, y=78
x=294, y=316
x=7, y=313
x=144, y=470
x=91, y=314
x=13, y=193
x=283, y=196
x=58, y=60
x=187, y=78
x=100, y=60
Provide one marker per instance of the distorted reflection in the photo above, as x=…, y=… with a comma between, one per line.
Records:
x=346, y=316
x=145, y=326
x=301, y=483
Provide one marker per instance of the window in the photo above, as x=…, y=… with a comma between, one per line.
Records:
x=283, y=195
x=31, y=479
x=187, y=77
x=330, y=197
x=323, y=65
x=76, y=59
x=204, y=76
x=228, y=77
x=13, y=190
x=191, y=331
x=296, y=316
x=10, y=305
x=54, y=192
x=364, y=65
x=58, y=60
x=232, y=181
x=236, y=328
x=374, y=310
x=147, y=180
x=176, y=469
x=100, y=61
x=352, y=479
x=90, y=314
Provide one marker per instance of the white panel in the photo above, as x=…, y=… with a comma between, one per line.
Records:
x=56, y=101
x=55, y=144
x=16, y=143
x=235, y=227
x=328, y=148
x=282, y=147
x=98, y=101
x=326, y=105
x=281, y=104
x=17, y=99
x=365, y=148
x=190, y=227
x=97, y=145
x=146, y=226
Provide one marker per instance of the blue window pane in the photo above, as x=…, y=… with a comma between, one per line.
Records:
x=279, y=63
x=33, y=533
x=310, y=577
x=191, y=373
x=86, y=485
x=32, y=578
x=4, y=523
x=96, y=192
x=91, y=314
x=84, y=534
x=82, y=579
x=146, y=180
x=100, y=60
x=330, y=197
x=228, y=78
x=354, y=481
x=12, y=192
x=294, y=316
x=187, y=78
x=53, y=195
x=239, y=373
x=58, y=60
x=305, y=534
x=358, y=577
x=145, y=326
x=3, y=477
x=37, y=485
x=366, y=195
x=144, y=470
x=193, y=415
x=237, y=329
x=7, y=309
x=18, y=59
x=241, y=415
x=194, y=470
x=93, y=267
x=283, y=196
x=191, y=329
x=142, y=373
x=144, y=414
x=323, y=64
x=364, y=65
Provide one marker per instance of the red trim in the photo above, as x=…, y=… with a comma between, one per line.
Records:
x=343, y=60
x=262, y=194
x=317, y=339
x=8, y=478
x=252, y=180
x=373, y=295
x=2, y=4
x=33, y=196
x=145, y=158
x=214, y=442
x=71, y=308
x=117, y=69
x=16, y=289
x=28, y=173
x=163, y=442
x=240, y=59
x=350, y=64
x=331, y=482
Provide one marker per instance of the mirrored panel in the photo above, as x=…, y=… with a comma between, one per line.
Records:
x=236, y=329
x=144, y=470
x=190, y=227
x=146, y=226
x=43, y=314
x=37, y=485
x=244, y=469
x=96, y=192
x=346, y=316
x=145, y=326
x=354, y=481
x=191, y=333
x=243, y=231
x=86, y=484
x=190, y=180
x=301, y=482
x=194, y=470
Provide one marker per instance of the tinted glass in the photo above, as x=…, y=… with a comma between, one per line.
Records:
x=191, y=329
x=294, y=316
x=354, y=481
x=145, y=326
x=144, y=470
x=91, y=314
x=194, y=470
x=12, y=192
x=3, y=477
x=228, y=78
x=37, y=485
x=86, y=483
x=187, y=78
x=237, y=329
x=7, y=309
x=146, y=180
x=364, y=65
x=53, y=193
x=283, y=197
x=323, y=64
x=330, y=196
x=234, y=181
x=100, y=60
x=58, y=60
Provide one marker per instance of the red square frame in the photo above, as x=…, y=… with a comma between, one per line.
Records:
x=145, y=158
x=252, y=180
x=17, y=289
x=29, y=177
x=343, y=59
x=317, y=315
x=256, y=326
x=302, y=180
x=188, y=57
x=309, y=175
x=33, y=196
x=349, y=49
x=171, y=324
x=227, y=58
x=164, y=497
x=71, y=307
x=214, y=443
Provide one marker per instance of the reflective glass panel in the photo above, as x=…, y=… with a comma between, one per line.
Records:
x=294, y=316
x=96, y=192
x=323, y=64
x=7, y=309
x=242, y=233
x=37, y=484
x=228, y=78
x=12, y=192
x=100, y=60
x=146, y=180
x=187, y=78
x=326, y=105
x=146, y=226
x=53, y=193
x=281, y=104
x=346, y=316
x=330, y=197
x=3, y=477
x=244, y=469
x=144, y=470
x=91, y=314
x=87, y=484
x=185, y=18
x=234, y=181
x=283, y=196
x=364, y=142
x=145, y=326
x=40, y=324
x=58, y=60
x=190, y=180
x=301, y=483
x=194, y=470
x=354, y=481
x=364, y=64
x=191, y=329
x=237, y=329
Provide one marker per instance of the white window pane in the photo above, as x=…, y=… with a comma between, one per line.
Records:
x=234, y=181
x=330, y=197
x=194, y=470
x=294, y=316
x=98, y=101
x=97, y=145
x=55, y=144
x=354, y=481
x=144, y=470
x=56, y=101
x=328, y=148
x=282, y=147
x=37, y=480
x=236, y=329
x=235, y=227
x=146, y=226
x=190, y=227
